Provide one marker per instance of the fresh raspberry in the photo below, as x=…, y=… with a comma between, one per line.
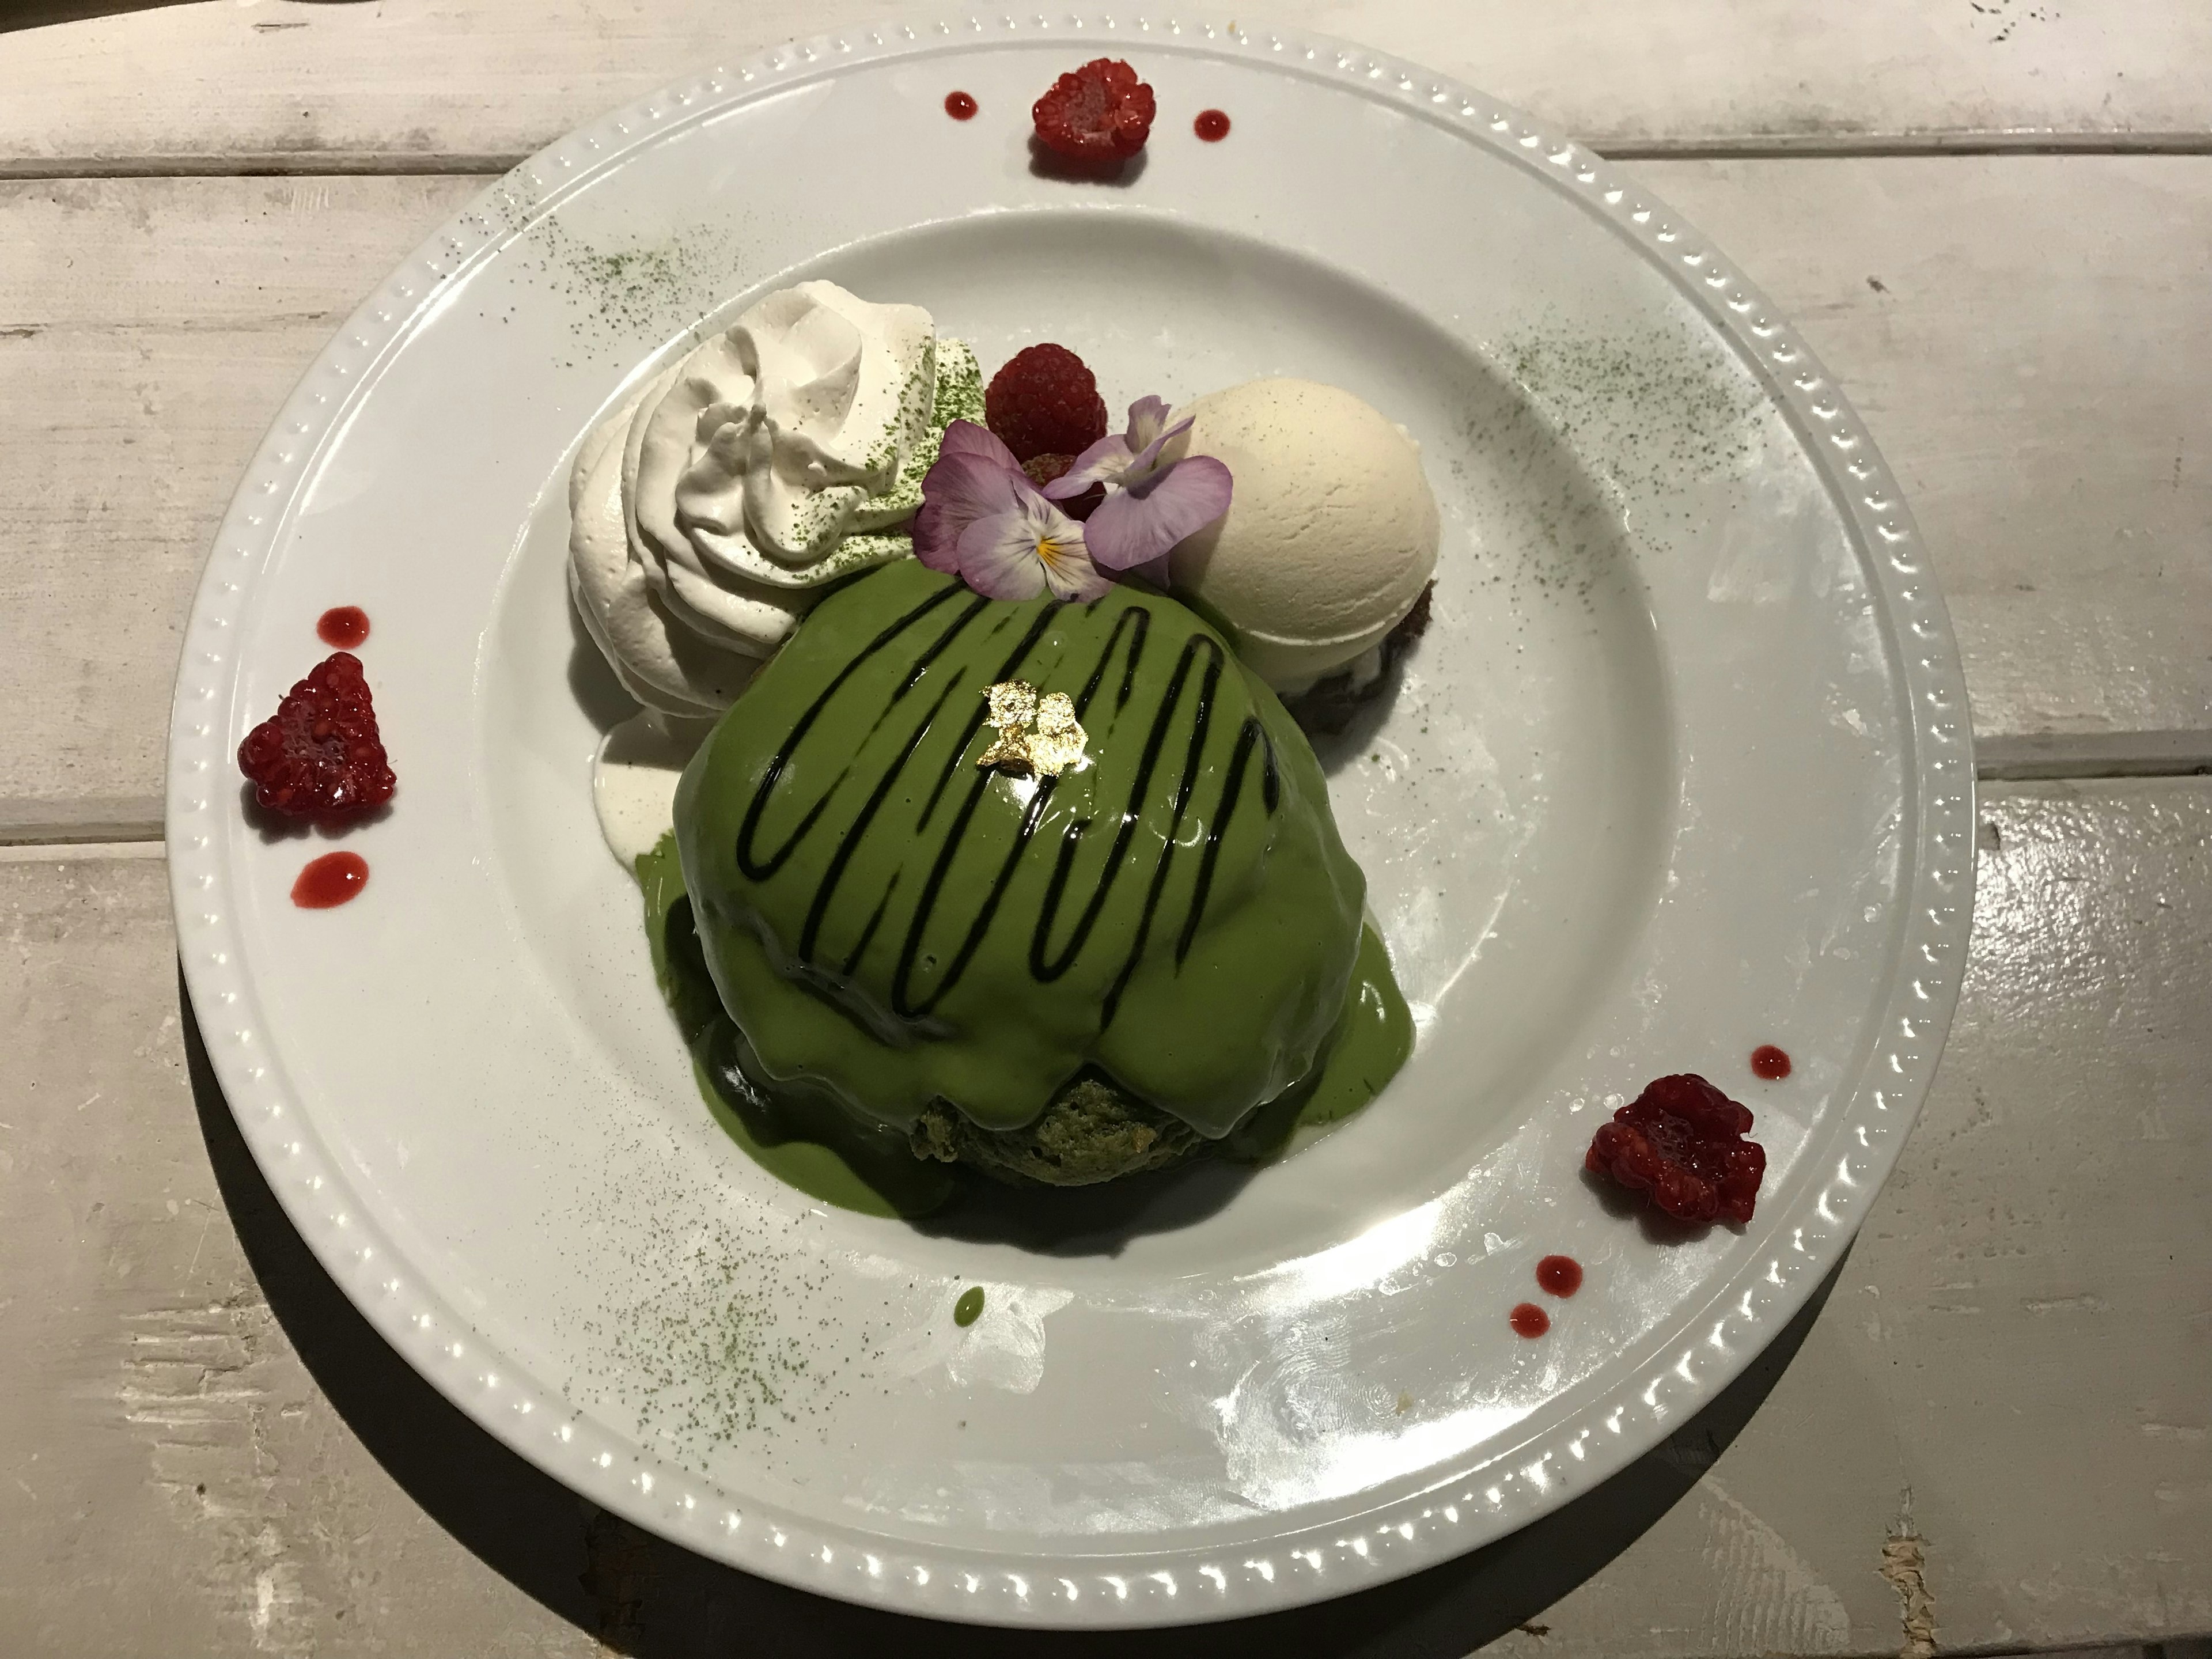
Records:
x=1044, y=402
x=1100, y=113
x=1043, y=469
x=1681, y=1142
x=318, y=756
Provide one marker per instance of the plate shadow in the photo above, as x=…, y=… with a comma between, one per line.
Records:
x=1097, y=1220
x=641, y=1596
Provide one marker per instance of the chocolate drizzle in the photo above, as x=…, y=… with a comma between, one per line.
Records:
x=984, y=939
x=1139, y=622
x=758, y=869
x=1201, y=658
x=1005, y=671
x=1043, y=966
x=849, y=843
x=1249, y=736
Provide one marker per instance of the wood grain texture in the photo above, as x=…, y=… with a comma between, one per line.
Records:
x=171, y=1481
x=2011, y=1367
x=440, y=84
x=2016, y=331
x=149, y=331
x=2023, y=337
x=2007, y=1377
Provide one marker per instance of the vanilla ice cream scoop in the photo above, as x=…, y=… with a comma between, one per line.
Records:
x=1330, y=536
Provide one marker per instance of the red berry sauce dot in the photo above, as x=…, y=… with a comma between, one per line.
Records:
x=1211, y=125
x=1562, y=1275
x=330, y=880
x=1529, y=1320
x=345, y=626
x=959, y=105
x=1769, y=1062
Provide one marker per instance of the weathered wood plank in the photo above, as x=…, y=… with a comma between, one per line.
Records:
x=2023, y=337
x=2015, y=330
x=171, y=1481
x=2009, y=1367
x=149, y=331
x=449, y=84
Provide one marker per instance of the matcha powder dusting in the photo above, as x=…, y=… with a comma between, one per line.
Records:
x=1653, y=409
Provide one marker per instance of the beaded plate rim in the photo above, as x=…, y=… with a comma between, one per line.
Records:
x=1460, y=1511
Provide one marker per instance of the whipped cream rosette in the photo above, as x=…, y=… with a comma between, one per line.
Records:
x=709, y=511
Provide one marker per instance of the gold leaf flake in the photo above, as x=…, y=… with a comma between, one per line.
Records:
x=1035, y=737
x=1058, y=745
x=1013, y=704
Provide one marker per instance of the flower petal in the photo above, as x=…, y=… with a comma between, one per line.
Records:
x=1103, y=463
x=1136, y=525
x=1014, y=555
x=967, y=438
x=999, y=557
x=1146, y=461
x=1147, y=415
x=1068, y=571
x=960, y=488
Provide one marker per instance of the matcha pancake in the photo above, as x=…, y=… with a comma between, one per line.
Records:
x=1161, y=933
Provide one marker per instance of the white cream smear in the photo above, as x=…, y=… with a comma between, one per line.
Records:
x=633, y=779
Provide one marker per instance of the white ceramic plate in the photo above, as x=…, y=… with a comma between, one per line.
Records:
x=1683, y=768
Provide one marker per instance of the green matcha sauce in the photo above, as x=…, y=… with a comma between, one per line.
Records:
x=899, y=928
x=1372, y=1039
x=970, y=1308
x=824, y=1153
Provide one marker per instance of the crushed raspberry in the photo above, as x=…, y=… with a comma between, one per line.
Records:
x=1100, y=113
x=1681, y=1142
x=318, y=756
x=1043, y=469
x=1044, y=402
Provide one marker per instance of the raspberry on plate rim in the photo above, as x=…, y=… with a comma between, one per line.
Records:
x=1681, y=1144
x=320, y=756
x=1101, y=112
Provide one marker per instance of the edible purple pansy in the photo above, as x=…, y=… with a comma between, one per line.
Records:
x=1151, y=504
x=982, y=520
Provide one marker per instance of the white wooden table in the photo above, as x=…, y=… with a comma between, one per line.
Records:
x=1994, y=220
